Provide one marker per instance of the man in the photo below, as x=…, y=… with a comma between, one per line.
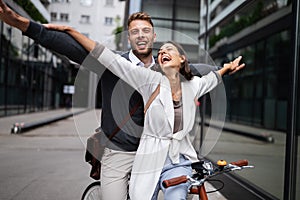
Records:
x=118, y=157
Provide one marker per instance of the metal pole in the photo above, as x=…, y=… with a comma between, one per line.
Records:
x=6, y=68
x=203, y=99
x=291, y=140
x=124, y=36
x=1, y=56
x=173, y=18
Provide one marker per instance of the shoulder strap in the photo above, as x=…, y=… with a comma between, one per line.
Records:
x=133, y=110
x=152, y=97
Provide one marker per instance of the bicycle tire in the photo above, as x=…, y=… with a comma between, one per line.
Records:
x=92, y=192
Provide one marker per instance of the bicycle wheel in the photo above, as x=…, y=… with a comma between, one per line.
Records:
x=92, y=192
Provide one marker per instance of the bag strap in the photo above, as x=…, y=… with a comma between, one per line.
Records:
x=134, y=109
x=152, y=97
x=124, y=121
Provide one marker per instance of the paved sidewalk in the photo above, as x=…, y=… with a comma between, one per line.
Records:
x=85, y=125
x=6, y=123
x=248, y=131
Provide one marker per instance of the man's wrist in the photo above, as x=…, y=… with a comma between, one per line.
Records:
x=33, y=30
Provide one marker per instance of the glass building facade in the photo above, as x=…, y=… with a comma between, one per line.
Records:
x=31, y=77
x=259, y=98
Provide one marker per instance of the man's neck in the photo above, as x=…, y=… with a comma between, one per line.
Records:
x=147, y=60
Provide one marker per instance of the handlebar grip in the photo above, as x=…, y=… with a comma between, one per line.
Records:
x=240, y=163
x=175, y=181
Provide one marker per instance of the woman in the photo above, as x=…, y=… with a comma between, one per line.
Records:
x=165, y=150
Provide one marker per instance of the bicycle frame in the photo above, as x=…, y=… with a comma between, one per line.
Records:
x=199, y=190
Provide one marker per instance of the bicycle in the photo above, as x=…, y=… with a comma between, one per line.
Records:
x=202, y=172
x=92, y=192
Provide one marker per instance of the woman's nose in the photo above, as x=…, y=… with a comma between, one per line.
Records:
x=162, y=51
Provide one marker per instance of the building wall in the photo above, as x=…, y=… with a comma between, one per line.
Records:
x=176, y=20
x=29, y=70
x=259, y=96
x=97, y=19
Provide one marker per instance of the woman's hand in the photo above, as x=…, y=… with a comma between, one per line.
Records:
x=58, y=27
x=232, y=67
x=87, y=43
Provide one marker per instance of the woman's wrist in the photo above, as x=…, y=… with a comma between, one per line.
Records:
x=224, y=70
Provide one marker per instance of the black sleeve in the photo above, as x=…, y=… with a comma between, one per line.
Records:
x=57, y=41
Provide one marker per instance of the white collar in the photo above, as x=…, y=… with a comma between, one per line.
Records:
x=135, y=60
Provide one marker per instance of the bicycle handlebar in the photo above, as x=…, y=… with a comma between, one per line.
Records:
x=223, y=167
x=240, y=163
x=175, y=181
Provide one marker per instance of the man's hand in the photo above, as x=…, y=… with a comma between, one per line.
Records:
x=11, y=18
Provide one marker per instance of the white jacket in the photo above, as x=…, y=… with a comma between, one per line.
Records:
x=157, y=139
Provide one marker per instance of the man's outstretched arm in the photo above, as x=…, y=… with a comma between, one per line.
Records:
x=57, y=41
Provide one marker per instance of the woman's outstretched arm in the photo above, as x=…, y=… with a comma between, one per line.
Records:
x=232, y=67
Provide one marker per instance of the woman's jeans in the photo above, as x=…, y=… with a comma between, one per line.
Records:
x=178, y=192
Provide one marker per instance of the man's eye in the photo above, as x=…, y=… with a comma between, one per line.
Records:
x=147, y=30
x=134, y=32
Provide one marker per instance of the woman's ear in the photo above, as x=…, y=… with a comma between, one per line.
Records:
x=182, y=60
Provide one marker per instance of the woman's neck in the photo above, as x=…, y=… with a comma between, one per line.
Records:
x=174, y=80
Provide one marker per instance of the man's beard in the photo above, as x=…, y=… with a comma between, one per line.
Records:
x=142, y=54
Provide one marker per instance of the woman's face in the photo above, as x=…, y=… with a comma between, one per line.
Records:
x=169, y=57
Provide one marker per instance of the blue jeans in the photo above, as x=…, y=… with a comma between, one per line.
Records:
x=178, y=192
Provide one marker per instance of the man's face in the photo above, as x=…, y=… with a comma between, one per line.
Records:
x=141, y=37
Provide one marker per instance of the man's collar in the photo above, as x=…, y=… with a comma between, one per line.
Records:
x=135, y=60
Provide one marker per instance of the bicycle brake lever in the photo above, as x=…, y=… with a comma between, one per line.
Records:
x=234, y=167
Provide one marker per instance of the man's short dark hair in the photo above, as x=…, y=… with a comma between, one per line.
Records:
x=139, y=16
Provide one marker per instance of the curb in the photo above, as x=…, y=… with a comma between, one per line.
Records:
x=254, y=133
x=19, y=128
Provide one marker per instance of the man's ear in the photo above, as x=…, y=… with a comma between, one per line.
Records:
x=154, y=37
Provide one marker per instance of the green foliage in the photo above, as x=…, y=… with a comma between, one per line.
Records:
x=239, y=25
x=31, y=10
x=117, y=31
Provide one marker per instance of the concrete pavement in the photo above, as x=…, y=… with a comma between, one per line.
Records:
x=63, y=144
x=6, y=123
x=44, y=163
x=47, y=162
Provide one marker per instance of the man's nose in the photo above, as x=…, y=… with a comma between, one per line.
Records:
x=141, y=33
